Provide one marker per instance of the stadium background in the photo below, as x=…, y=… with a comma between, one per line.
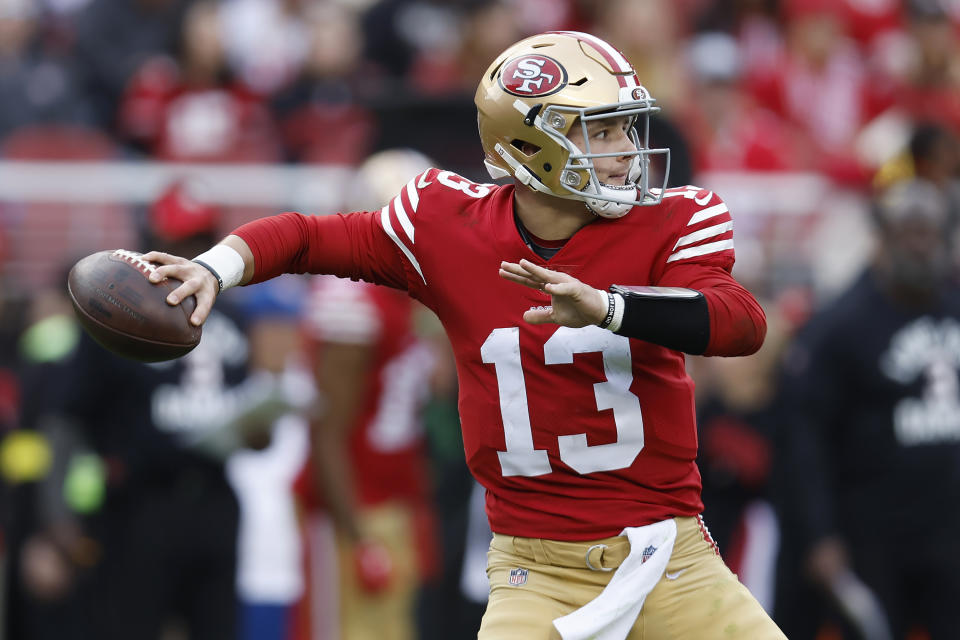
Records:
x=795, y=111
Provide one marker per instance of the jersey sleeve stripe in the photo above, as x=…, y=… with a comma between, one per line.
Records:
x=388, y=227
x=703, y=234
x=402, y=217
x=413, y=196
x=701, y=250
x=709, y=212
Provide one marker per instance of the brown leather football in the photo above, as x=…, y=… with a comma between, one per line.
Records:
x=125, y=312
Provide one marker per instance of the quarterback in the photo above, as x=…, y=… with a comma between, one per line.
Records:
x=570, y=296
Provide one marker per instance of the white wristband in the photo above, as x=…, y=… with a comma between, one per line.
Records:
x=618, y=306
x=225, y=263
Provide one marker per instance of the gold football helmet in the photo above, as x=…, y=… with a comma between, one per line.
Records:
x=536, y=91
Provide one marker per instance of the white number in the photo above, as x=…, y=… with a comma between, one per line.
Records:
x=502, y=348
x=613, y=394
x=396, y=423
x=454, y=181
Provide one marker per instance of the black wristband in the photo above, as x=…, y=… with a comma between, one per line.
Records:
x=213, y=271
x=611, y=309
x=679, y=323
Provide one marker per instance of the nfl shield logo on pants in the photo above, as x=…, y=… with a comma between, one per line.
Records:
x=518, y=577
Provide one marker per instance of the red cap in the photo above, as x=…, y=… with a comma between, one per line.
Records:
x=178, y=214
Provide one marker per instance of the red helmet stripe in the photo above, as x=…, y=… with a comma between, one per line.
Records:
x=616, y=59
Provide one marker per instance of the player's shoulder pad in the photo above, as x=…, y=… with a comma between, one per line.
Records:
x=703, y=224
x=439, y=187
x=431, y=194
x=693, y=199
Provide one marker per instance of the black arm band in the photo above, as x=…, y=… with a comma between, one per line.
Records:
x=679, y=322
x=213, y=271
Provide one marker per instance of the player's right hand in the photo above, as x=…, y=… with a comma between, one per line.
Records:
x=197, y=281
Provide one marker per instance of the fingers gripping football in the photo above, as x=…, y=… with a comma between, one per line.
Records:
x=197, y=281
x=572, y=302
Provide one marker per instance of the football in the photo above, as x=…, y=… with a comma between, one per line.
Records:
x=125, y=312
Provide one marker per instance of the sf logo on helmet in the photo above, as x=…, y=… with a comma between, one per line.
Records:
x=531, y=75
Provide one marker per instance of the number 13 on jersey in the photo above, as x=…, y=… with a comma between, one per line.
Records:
x=502, y=349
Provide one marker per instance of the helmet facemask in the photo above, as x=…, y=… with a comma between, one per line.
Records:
x=579, y=177
x=607, y=200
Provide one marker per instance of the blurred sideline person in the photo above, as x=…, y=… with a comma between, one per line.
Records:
x=269, y=559
x=368, y=472
x=167, y=531
x=737, y=415
x=873, y=443
x=583, y=435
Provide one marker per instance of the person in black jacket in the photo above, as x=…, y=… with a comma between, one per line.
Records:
x=166, y=533
x=871, y=440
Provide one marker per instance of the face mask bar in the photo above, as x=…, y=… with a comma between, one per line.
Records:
x=632, y=193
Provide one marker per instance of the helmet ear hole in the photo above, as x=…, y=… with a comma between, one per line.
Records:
x=526, y=148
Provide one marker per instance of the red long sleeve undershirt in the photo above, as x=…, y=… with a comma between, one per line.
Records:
x=353, y=246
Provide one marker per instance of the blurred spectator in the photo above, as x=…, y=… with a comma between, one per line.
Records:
x=737, y=418
x=321, y=115
x=114, y=38
x=266, y=41
x=454, y=67
x=932, y=153
x=820, y=84
x=269, y=570
x=39, y=79
x=872, y=439
x=368, y=471
x=48, y=559
x=932, y=75
x=166, y=531
x=194, y=110
x=650, y=34
x=726, y=129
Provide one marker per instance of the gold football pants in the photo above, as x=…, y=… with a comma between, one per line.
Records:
x=697, y=597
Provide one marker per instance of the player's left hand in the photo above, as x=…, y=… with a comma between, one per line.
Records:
x=572, y=303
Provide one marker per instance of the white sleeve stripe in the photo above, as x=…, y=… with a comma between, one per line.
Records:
x=703, y=234
x=701, y=250
x=385, y=221
x=709, y=212
x=682, y=192
x=402, y=217
x=413, y=195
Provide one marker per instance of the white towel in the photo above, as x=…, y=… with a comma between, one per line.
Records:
x=611, y=615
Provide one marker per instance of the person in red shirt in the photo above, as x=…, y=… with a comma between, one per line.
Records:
x=367, y=473
x=582, y=434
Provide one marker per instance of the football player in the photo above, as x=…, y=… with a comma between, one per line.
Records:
x=583, y=434
x=367, y=476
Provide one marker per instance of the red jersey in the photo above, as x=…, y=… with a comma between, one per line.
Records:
x=386, y=442
x=575, y=433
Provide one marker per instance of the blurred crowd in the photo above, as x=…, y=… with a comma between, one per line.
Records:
x=221, y=496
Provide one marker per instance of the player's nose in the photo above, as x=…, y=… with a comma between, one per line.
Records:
x=625, y=145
